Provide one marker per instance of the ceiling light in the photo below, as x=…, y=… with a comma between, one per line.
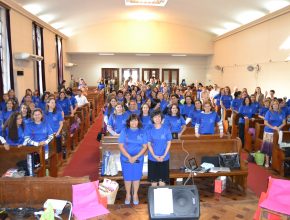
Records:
x=218, y=31
x=33, y=8
x=179, y=55
x=275, y=5
x=67, y=31
x=143, y=54
x=142, y=15
x=285, y=45
x=231, y=26
x=249, y=16
x=47, y=18
x=106, y=54
x=57, y=25
x=146, y=2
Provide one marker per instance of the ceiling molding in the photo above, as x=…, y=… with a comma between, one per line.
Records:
x=14, y=6
x=266, y=18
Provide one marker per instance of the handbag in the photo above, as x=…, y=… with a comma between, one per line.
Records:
x=230, y=160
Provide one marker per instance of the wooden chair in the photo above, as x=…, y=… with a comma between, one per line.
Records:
x=249, y=141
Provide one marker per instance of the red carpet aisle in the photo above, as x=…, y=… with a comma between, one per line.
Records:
x=84, y=161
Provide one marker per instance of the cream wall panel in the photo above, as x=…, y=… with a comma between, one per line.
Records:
x=141, y=37
x=257, y=45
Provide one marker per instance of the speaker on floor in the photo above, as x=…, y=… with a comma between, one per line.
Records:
x=185, y=200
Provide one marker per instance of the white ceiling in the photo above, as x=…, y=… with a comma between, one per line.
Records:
x=214, y=16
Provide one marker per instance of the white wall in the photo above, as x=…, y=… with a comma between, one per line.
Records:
x=89, y=66
x=257, y=45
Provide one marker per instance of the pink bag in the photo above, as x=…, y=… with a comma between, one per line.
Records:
x=86, y=201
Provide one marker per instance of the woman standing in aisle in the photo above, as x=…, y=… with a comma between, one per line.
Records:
x=159, y=142
x=274, y=120
x=133, y=145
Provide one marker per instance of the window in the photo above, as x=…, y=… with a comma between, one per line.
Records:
x=170, y=76
x=130, y=72
x=149, y=73
x=38, y=49
x=59, y=57
x=6, y=70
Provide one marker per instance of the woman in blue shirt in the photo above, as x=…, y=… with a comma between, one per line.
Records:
x=196, y=112
x=42, y=103
x=246, y=110
x=25, y=113
x=145, y=117
x=263, y=110
x=237, y=101
x=15, y=130
x=117, y=120
x=159, y=142
x=54, y=118
x=65, y=104
x=175, y=121
x=217, y=101
x=38, y=132
x=110, y=109
x=133, y=145
x=207, y=120
x=226, y=100
x=274, y=120
x=8, y=111
x=188, y=107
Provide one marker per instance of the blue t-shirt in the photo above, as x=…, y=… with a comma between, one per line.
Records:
x=109, y=112
x=263, y=111
x=236, y=103
x=273, y=118
x=133, y=141
x=163, y=105
x=246, y=111
x=101, y=86
x=158, y=139
x=187, y=109
x=73, y=101
x=226, y=100
x=218, y=99
x=118, y=122
x=256, y=107
x=53, y=120
x=20, y=137
x=206, y=122
x=194, y=117
x=146, y=122
x=38, y=132
x=2, y=106
x=65, y=105
x=36, y=100
x=174, y=123
x=137, y=112
x=6, y=115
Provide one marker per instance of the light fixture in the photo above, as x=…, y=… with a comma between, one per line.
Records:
x=47, y=17
x=143, y=54
x=275, y=5
x=33, y=8
x=249, y=16
x=178, y=55
x=70, y=64
x=106, y=54
x=146, y=2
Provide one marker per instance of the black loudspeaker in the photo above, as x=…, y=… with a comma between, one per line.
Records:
x=20, y=73
x=185, y=203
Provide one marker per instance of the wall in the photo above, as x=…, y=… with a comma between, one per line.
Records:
x=21, y=37
x=89, y=66
x=257, y=45
x=141, y=37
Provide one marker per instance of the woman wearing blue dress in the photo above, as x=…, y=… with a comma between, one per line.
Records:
x=175, y=121
x=38, y=132
x=117, y=120
x=65, y=104
x=246, y=110
x=14, y=128
x=145, y=117
x=133, y=145
x=207, y=120
x=159, y=142
x=274, y=120
x=54, y=118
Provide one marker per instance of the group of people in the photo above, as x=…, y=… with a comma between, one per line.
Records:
x=36, y=120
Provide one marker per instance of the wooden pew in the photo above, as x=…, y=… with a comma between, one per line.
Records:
x=249, y=143
x=203, y=137
x=197, y=149
x=33, y=192
x=278, y=155
x=81, y=132
x=14, y=154
x=227, y=114
x=235, y=125
x=74, y=137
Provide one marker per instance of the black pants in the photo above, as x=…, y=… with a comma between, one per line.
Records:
x=242, y=133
